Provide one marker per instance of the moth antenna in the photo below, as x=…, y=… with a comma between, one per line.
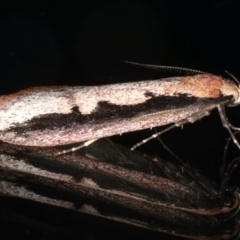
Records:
x=188, y=71
x=233, y=77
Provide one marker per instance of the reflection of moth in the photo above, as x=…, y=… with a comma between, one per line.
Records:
x=111, y=182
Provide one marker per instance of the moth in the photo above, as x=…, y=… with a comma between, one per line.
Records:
x=52, y=116
x=100, y=180
x=108, y=181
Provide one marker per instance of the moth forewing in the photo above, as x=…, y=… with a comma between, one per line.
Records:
x=114, y=183
x=51, y=116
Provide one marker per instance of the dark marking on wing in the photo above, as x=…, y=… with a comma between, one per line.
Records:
x=107, y=112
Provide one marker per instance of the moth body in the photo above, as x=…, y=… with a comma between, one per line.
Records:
x=50, y=116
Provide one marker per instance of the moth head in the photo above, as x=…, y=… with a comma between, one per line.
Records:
x=237, y=90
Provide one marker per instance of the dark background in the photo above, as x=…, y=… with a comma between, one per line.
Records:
x=86, y=43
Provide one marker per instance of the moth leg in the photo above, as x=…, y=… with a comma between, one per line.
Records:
x=224, y=165
x=227, y=125
x=191, y=119
x=85, y=144
x=169, y=150
x=156, y=135
x=118, y=150
x=222, y=109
